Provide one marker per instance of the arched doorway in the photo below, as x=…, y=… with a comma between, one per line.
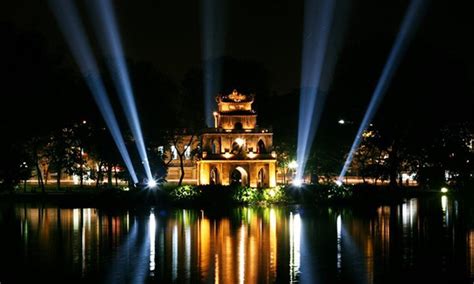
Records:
x=261, y=178
x=239, y=176
x=214, y=176
x=261, y=147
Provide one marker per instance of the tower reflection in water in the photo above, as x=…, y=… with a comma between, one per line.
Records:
x=243, y=245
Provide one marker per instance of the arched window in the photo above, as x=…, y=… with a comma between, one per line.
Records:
x=187, y=152
x=238, y=126
x=174, y=152
x=213, y=146
x=214, y=177
x=261, y=147
x=236, y=148
x=261, y=178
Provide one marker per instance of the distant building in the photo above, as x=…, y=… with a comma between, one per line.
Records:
x=235, y=151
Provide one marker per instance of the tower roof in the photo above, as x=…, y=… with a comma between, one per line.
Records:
x=234, y=97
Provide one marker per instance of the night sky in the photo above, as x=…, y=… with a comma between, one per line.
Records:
x=434, y=81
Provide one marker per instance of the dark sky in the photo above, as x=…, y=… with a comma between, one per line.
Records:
x=168, y=33
x=436, y=73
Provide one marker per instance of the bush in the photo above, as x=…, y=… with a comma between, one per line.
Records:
x=244, y=194
x=275, y=194
x=185, y=192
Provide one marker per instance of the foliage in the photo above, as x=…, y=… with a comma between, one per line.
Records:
x=185, y=192
x=14, y=167
x=243, y=194
x=219, y=195
x=275, y=194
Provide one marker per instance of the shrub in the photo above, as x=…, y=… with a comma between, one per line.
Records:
x=185, y=192
x=275, y=194
x=246, y=194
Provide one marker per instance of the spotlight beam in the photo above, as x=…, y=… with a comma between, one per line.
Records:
x=108, y=34
x=407, y=30
x=317, y=27
x=212, y=30
x=72, y=29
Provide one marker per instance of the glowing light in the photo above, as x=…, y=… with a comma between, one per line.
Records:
x=152, y=234
x=213, y=30
x=401, y=43
x=339, y=242
x=241, y=254
x=240, y=141
x=109, y=38
x=76, y=213
x=444, y=190
x=338, y=183
x=151, y=183
x=72, y=29
x=444, y=203
x=293, y=165
x=297, y=182
x=251, y=155
x=295, y=246
x=315, y=73
x=174, y=253
x=341, y=121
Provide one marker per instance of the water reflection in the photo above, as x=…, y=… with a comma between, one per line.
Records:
x=152, y=234
x=242, y=245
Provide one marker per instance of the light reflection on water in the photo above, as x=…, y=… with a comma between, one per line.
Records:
x=243, y=245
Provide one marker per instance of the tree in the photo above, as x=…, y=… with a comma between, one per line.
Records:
x=83, y=135
x=103, y=151
x=286, y=154
x=181, y=144
x=14, y=167
x=35, y=149
x=370, y=158
x=63, y=152
x=446, y=158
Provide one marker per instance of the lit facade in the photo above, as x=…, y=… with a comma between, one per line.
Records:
x=235, y=151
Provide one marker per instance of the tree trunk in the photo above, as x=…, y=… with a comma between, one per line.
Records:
x=109, y=176
x=46, y=175
x=58, y=179
x=181, y=165
x=393, y=165
x=99, y=175
x=40, y=177
x=82, y=170
x=116, y=177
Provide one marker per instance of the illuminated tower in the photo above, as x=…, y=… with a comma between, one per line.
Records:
x=236, y=150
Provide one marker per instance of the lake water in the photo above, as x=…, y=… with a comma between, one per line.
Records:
x=427, y=240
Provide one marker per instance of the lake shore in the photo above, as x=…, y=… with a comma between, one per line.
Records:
x=218, y=197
